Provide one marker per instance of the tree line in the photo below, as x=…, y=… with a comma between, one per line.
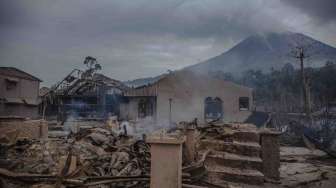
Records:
x=280, y=90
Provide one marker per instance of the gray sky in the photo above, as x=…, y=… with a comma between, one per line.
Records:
x=140, y=38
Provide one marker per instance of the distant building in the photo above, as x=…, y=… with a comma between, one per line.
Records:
x=18, y=93
x=183, y=96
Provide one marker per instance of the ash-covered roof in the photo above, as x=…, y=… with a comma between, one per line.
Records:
x=186, y=76
x=109, y=81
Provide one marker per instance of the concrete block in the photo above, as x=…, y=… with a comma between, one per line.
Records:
x=166, y=162
x=270, y=153
x=190, y=145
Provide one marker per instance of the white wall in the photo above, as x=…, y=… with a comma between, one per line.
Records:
x=189, y=93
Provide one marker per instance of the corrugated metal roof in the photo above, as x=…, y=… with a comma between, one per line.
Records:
x=143, y=91
x=14, y=72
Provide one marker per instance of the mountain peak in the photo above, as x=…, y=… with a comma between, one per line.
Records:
x=264, y=51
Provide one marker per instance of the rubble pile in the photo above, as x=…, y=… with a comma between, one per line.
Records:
x=31, y=156
x=81, y=158
x=224, y=155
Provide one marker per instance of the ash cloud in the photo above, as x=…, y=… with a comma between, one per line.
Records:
x=323, y=11
x=131, y=39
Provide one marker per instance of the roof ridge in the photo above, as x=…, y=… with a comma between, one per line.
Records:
x=28, y=76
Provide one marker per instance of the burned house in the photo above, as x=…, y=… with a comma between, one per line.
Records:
x=18, y=93
x=84, y=94
x=183, y=96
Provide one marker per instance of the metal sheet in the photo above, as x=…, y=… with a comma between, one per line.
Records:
x=13, y=100
x=30, y=101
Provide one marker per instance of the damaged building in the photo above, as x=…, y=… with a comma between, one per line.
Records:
x=183, y=96
x=84, y=94
x=175, y=97
x=18, y=93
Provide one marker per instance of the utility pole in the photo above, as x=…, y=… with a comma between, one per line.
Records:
x=300, y=53
x=170, y=111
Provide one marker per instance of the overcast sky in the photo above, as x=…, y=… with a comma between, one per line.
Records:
x=140, y=38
